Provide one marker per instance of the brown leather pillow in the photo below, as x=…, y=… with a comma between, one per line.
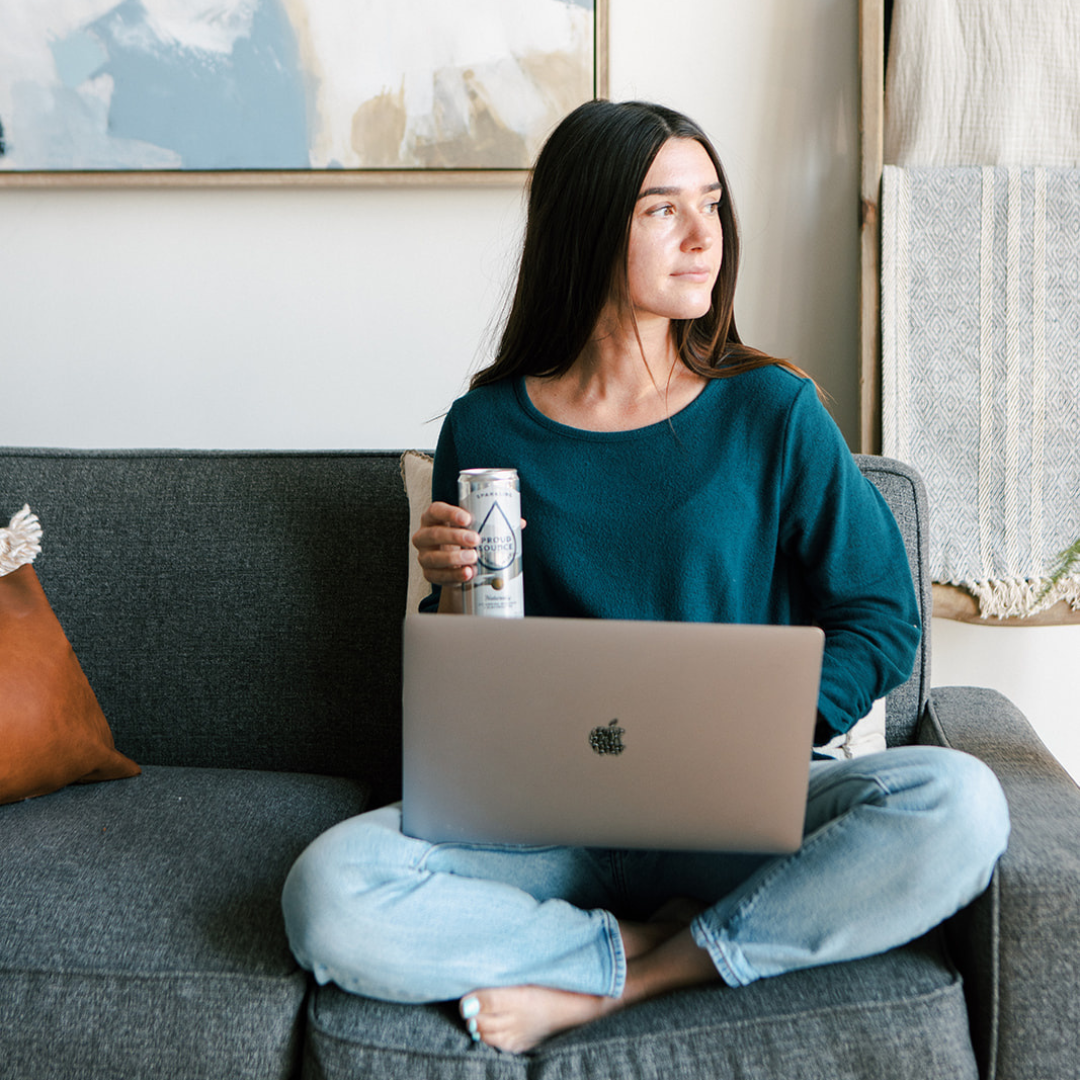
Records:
x=52, y=730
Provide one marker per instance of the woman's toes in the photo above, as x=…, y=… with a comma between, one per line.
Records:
x=469, y=1007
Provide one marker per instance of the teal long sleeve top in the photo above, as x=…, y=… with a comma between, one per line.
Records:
x=745, y=507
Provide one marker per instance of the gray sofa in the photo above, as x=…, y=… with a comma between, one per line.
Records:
x=238, y=615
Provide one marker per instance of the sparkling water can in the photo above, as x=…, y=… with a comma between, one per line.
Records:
x=493, y=497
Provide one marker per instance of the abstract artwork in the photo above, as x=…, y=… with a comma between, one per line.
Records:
x=189, y=86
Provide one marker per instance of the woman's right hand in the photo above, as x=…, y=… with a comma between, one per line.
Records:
x=446, y=547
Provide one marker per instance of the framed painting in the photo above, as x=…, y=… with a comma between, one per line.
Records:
x=290, y=91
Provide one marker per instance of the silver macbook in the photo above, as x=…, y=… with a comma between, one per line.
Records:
x=605, y=733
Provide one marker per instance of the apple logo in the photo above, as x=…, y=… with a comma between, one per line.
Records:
x=607, y=740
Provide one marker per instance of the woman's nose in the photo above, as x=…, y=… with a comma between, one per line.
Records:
x=699, y=236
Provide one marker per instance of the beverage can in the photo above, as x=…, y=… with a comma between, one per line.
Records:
x=493, y=497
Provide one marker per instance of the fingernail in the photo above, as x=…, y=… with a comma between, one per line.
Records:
x=470, y=1007
x=473, y=1026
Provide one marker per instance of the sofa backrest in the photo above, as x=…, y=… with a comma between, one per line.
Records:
x=230, y=609
x=244, y=610
x=905, y=493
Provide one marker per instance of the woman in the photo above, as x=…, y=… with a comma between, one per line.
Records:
x=668, y=472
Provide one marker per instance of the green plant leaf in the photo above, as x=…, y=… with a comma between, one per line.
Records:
x=1064, y=563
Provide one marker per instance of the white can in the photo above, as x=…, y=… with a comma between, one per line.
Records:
x=493, y=497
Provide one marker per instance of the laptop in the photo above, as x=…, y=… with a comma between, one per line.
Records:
x=608, y=733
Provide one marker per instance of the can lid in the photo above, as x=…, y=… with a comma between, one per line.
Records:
x=488, y=474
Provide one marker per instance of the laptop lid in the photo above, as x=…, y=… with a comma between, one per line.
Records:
x=608, y=733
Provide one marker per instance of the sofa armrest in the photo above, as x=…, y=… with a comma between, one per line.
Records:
x=1018, y=945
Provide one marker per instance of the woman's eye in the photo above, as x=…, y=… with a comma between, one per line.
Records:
x=713, y=207
x=662, y=211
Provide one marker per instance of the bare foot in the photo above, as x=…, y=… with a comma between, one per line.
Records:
x=518, y=1018
x=661, y=955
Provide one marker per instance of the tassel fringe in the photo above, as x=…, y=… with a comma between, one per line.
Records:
x=1019, y=598
x=20, y=542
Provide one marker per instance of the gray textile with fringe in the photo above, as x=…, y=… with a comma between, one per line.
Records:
x=981, y=370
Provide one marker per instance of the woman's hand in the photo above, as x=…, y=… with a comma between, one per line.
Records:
x=446, y=547
x=447, y=550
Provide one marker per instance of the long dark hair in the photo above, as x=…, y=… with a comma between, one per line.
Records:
x=582, y=193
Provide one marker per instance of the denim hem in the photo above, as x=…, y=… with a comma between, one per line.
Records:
x=726, y=956
x=616, y=957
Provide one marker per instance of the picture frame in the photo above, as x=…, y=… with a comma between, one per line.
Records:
x=232, y=93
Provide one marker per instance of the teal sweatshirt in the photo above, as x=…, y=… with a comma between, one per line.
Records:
x=745, y=507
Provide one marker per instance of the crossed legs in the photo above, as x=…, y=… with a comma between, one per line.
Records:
x=526, y=940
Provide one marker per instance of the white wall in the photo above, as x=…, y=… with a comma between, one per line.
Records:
x=243, y=318
x=1034, y=666
x=342, y=318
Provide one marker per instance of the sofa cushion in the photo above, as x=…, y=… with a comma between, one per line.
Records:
x=140, y=924
x=262, y=587
x=416, y=466
x=890, y=1017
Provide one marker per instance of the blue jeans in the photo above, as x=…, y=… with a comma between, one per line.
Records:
x=894, y=843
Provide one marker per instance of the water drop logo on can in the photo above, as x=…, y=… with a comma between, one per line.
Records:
x=498, y=540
